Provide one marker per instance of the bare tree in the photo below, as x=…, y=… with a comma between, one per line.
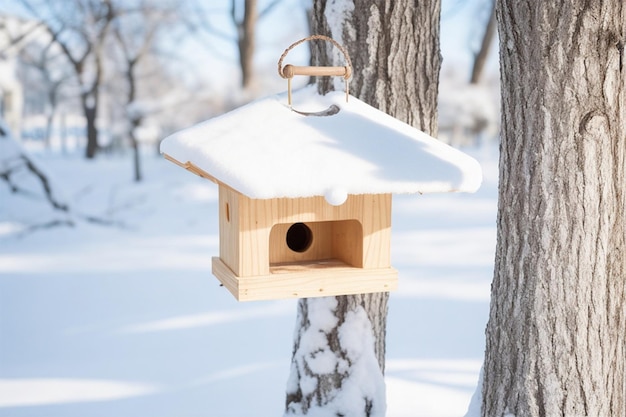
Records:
x=80, y=27
x=557, y=325
x=246, y=35
x=15, y=35
x=480, y=58
x=14, y=40
x=394, y=48
x=246, y=27
x=53, y=79
x=135, y=31
x=244, y=19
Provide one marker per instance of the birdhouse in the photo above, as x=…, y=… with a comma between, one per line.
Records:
x=305, y=196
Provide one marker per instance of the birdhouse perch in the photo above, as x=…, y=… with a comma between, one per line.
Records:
x=305, y=201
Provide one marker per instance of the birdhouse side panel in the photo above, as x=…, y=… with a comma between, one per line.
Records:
x=229, y=207
x=244, y=233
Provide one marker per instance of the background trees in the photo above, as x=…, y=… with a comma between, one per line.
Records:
x=244, y=16
x=54, y=81
x=79, y=28
x=134, y=32
x=94, y=42
x=555, y=337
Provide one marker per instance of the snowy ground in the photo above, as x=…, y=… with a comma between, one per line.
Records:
x=129, y=322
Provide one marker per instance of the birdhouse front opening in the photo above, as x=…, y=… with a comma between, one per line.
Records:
x=331, y=242
x=299, y=237
x=303, y=247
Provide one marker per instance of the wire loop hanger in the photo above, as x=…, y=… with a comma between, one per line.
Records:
x=289, y=71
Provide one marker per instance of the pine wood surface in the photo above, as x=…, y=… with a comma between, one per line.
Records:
x=305, y=280
x=248, y=246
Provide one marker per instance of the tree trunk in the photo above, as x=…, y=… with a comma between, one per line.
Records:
x=136, y=150
x=245, y=41
x=91, y=99
x=92, y=131
x=394, y=48
x=480, y=60
x=48, y=135
x=556, y=331
x=335, y=368
x=134, y=119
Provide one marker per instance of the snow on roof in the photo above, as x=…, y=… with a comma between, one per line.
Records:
x=266, y=150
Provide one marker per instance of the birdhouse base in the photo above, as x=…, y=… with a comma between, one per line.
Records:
x=306, y=279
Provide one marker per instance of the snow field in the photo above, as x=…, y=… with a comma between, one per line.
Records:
x=127, y=320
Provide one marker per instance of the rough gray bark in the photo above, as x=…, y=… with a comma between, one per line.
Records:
x=394, y=49
x=555, y=337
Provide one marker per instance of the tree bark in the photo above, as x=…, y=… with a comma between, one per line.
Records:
x=555, y=336
x=394, y=49
x=326, y=362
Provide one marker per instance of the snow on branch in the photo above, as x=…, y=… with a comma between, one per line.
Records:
x=15, y=163
x=26, y=178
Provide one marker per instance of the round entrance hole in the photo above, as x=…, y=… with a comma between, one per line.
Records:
x=299, y=237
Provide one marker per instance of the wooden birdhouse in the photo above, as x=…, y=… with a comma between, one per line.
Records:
x=305, y=197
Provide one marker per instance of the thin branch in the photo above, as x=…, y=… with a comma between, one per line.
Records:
x=269, y=8
x=202, y=23
x=20, y=37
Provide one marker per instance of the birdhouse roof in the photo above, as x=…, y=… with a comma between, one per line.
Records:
x=266, y=150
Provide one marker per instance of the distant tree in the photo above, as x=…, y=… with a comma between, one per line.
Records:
x=135, y=32
x=556, y=336
x=489, y=34
x=246, y=28
x=394, y=48
x=80, y=28
x=246, y=35
x=15, y=35
x=53, y=79
x=244, y=15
